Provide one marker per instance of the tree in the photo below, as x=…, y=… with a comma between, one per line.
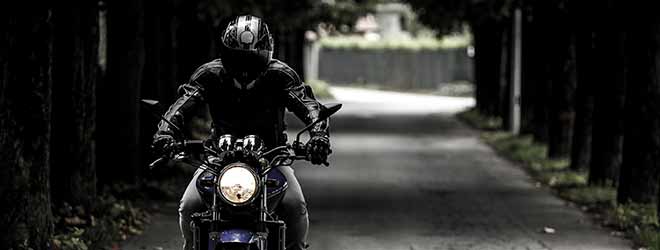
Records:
x=609, y=89
x=75, y=62
x=119, y=154
x=562, y=74
x=25, y=112
x=640, y=169
x=584, y=96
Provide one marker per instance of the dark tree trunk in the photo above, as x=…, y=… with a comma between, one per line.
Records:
x=503, y=94
x=487, y=59
x=563, y=76
x=25, y=112
x=582, y=130
x=160, y=68
x=118, y=97
x=74, y=103
x=609, y=89
x=195, y=39
x=584, y=97
x=543, y=22
x=641, y=151
x=531, y=67
x=160, y=71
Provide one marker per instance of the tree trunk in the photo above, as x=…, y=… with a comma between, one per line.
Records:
x=563, y=76
x=74, y=103
x=118, y=97
x=609, y=88
x=584, y=104
x=531, y=68
x=487, y=58
x=25, y=109
x=504, y=73
x=543, y=22
x=641, y=151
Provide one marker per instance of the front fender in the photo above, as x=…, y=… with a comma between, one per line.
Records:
x=235, y=237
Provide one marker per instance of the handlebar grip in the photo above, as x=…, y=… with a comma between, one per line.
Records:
x=157, y=162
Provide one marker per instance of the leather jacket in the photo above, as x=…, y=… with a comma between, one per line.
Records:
x=254, y=109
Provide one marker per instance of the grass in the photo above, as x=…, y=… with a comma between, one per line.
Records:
x=321, y=89
x=635, y=221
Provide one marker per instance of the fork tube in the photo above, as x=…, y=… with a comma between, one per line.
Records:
x=216, y=215
x=264, y=198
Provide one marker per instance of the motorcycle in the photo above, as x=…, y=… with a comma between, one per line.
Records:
x=241, y=186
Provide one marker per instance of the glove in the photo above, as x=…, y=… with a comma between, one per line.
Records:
x=162, y=145
x=318, y=148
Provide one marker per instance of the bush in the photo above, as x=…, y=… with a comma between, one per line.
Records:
x=321, y=89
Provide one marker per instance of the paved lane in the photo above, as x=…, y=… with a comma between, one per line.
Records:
x=407, y=175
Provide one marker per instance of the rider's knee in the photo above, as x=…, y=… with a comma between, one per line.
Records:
x=296, y=207
x=186, y=206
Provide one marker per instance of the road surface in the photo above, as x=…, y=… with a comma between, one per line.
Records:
x=407, y=175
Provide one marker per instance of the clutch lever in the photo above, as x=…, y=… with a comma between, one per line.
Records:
x=157, y=162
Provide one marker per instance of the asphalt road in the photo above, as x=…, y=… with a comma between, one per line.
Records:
x=407, y=175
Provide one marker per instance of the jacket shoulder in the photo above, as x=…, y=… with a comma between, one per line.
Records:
x=212, y=69
x=283, y=72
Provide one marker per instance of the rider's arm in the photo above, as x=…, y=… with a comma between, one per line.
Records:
x=191, y=95
x=301, y=101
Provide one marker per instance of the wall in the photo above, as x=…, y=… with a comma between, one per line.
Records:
x=395, y=69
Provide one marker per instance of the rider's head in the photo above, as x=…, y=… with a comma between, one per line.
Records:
x=246, y=48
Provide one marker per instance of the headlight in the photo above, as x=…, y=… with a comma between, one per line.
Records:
x=238, y=184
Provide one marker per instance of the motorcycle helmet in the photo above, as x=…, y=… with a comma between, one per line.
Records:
x=246, y=48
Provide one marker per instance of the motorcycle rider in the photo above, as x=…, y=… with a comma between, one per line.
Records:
x=247, y=91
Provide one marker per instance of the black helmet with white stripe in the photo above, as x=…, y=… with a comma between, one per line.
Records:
x=246, y=48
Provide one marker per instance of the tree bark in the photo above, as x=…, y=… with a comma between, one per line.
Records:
x=487, y=58
x=75, y=64
x=543, y=22
x=25, y=112
x=584, y=104
x=504, y=74
x=609, y=89
x=640, y=169
x=118, y=96
x=563, y=76
x=531, y=69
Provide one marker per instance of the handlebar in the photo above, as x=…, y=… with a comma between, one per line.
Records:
x=295, y=151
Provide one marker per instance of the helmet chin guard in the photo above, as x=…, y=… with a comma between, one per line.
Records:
x=246, y=49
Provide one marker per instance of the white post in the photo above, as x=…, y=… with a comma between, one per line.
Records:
x=514, y=106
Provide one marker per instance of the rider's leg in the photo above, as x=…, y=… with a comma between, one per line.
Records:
x=294, y=212
x=191, y=202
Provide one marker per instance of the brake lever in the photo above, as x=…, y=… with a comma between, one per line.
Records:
x=157, y=162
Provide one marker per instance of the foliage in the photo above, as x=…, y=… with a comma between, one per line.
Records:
x=454, y=41
x=110, y=220
x=588, y=195
x=476, y=120
x=450, y=16
x=321, y=89
x=282, y=14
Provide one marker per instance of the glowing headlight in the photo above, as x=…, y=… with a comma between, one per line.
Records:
x=237, y=184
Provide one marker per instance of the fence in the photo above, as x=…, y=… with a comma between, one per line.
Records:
x=394, y=69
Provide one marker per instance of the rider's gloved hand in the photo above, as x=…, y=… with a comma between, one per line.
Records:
x=162, y=145
x=318, y=148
